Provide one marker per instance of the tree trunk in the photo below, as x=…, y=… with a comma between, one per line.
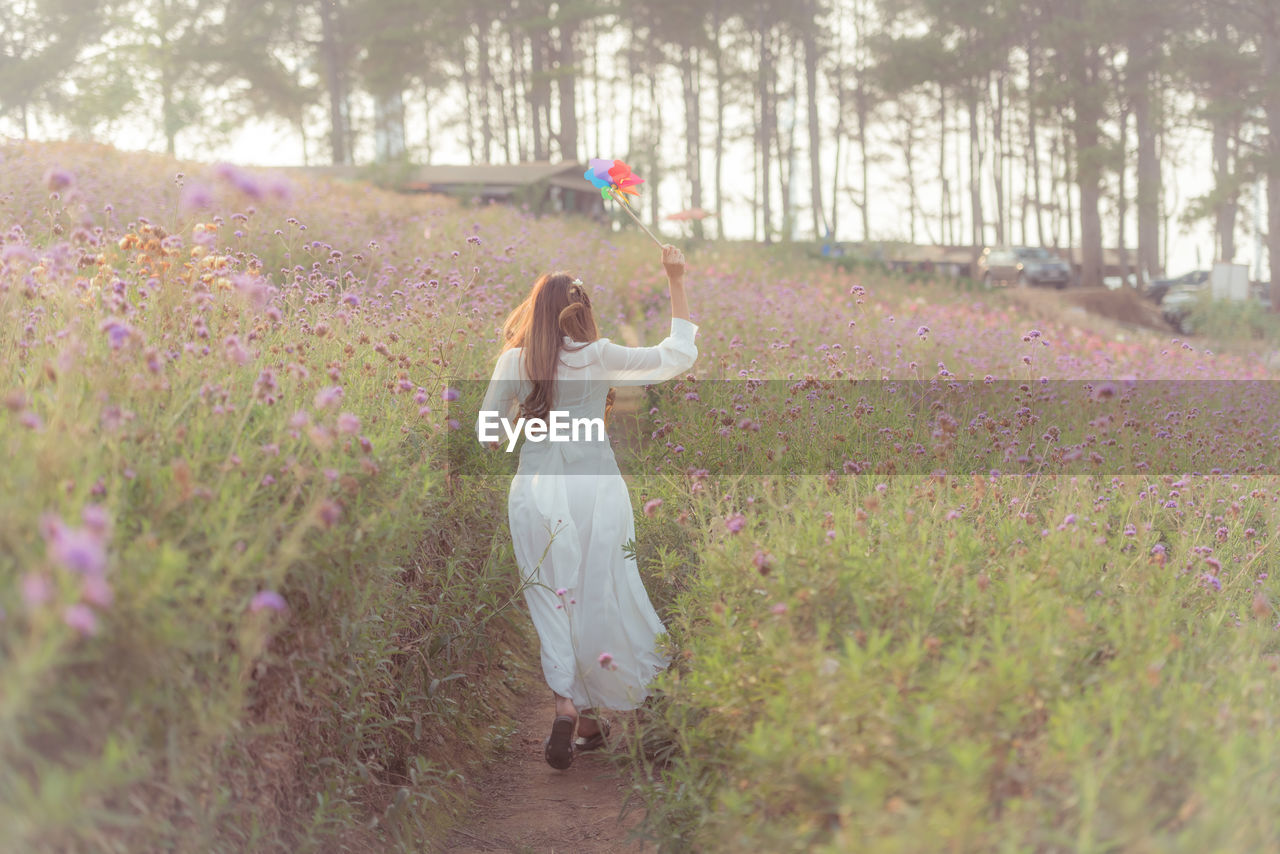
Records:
x=594, y=41
x=566, y=77
x=975, y=169
x=501, y=92
x=765, y=133
x=944, y=188
x=655, y=135
x=167, y=111
x=834, y=222
x=334, y=79
x=717, y=24
x=468, y=85
x=815, y=139
x=1148, y=191
x=997, y=158
x=786, y=156
x=1034, y=144
x=1089, y=173
x=389, y=140
x=486, y=83
x=861, y=111
x=519, y=93
x=692, y=125
x=1122, y=199
x=908, y=151
x=1270, y=46
x=539, y=94
x=1227, y=207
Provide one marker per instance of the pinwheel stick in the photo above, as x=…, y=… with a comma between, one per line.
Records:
x=617, y=197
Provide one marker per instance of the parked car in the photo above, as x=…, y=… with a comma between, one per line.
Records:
x=998, y=265
x=1262, y=290
x=1177, y=301
x=1159, y=287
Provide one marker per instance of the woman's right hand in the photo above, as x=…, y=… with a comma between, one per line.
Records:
x=673, y=262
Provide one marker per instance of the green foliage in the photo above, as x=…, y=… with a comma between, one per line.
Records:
x=889, y=679
x=1233, y=324
x=185, y=715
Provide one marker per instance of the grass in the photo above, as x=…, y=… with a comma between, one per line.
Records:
x=244, y=611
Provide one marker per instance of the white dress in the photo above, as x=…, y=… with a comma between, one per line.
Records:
x=570, y=515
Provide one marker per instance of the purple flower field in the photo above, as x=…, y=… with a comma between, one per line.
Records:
x=245, y=605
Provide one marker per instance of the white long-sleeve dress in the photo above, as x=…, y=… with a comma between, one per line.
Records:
x=570, y=516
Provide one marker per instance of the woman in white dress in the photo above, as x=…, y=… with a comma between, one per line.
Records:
x=568, y=507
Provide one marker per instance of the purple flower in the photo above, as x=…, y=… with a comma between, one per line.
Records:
x=117, y=331
x=651, y=506
x=922, y=331
x=449, y=394
x=735, y=523
x=17, y=251
x=328, y=396
x=81, y=618
x=196, y=196
x=78, y=549
x=280, y=188
x=96, y=591
x=36, y=589
x=348, y=423
x=763, y=562
x=267, y=599
x=561, y=592
x=606, y=660
x=780, y=608
x=58, y=179
x=330, y=512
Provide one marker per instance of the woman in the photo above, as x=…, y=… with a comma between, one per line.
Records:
x=569, y=509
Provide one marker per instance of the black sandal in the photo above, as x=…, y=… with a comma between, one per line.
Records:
x=592, y=742
x=558, y=748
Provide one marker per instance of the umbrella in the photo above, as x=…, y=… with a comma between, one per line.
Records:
x=691, y=213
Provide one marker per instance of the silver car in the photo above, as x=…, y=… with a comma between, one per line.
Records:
x=1022, y=266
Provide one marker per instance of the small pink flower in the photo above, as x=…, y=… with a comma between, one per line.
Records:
x=264, y=599
x=780, y=608
x=36, y=589
x=735, y=523
x=81, y=618
x=605, y=660
x=96, y=591
x=330, y=513
x=763, y=562
x=348, y=423
x=561, y=592
x=328, y=396
x=651, y=506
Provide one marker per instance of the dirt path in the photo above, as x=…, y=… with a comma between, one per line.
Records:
x=522, y=804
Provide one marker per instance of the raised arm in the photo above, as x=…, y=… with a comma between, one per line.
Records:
x=676, y=353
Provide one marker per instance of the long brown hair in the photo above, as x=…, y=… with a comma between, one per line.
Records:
x=557, y=306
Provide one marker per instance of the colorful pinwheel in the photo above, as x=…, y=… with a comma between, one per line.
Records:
x=615, y=180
